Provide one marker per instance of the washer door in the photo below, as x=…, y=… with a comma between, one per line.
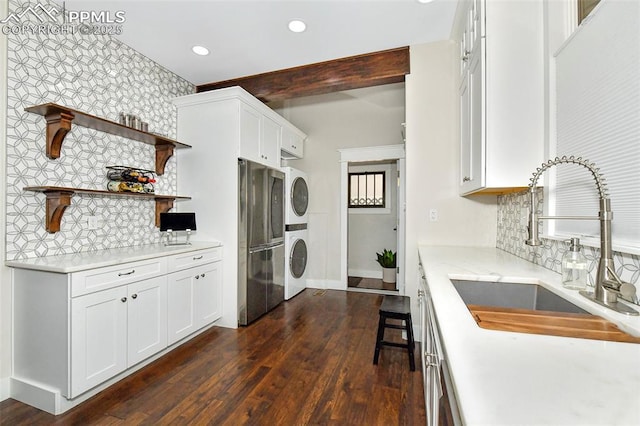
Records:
x=299, y=196
x=298, y=258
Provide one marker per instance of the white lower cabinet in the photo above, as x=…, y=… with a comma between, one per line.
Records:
x=194, y=299
x=67, y=347
x=98, y=338
x=440, y=404
x=146, y=319
x=115, y=329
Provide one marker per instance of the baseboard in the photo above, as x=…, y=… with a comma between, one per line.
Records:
x=36, y=395
x=326, y=284
x=4, y=388
x=366, y=273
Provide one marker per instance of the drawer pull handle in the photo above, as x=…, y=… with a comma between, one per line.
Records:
x=198, y=257
x=124, y=299
x=134, y=296
x=121, y=274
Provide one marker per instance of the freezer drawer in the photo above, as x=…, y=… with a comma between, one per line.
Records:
x=265, y=282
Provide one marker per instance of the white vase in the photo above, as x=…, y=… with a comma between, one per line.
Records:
x=389, y=275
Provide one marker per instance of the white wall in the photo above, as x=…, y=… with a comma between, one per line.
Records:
x=356, y=118
x=432, y=150
x=372, y=230
x=5, y=282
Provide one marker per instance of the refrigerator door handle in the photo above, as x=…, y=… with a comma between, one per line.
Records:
x=265, y=247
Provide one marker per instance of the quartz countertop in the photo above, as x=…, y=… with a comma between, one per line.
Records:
x=75, y=262
x=507, y=378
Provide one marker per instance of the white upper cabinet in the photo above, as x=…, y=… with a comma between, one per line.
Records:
x=270, y=142
x=292, y=143
x=259, y=137
x=234, y=124
x=501, y=94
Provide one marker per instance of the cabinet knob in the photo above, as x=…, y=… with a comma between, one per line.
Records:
x=197, y=277
x=466, y=179
x=465, y=57
x=134, y=296
x=124, y=299
x=202, y=275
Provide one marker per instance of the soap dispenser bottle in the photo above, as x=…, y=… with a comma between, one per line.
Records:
x=574, y=267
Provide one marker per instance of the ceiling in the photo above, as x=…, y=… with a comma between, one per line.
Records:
x=251, y=37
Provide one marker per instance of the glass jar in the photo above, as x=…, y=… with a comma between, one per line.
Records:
x=574, y=267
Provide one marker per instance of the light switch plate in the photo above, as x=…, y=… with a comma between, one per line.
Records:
x=92, y=222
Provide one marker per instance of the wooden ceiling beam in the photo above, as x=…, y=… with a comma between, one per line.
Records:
x=354, y=72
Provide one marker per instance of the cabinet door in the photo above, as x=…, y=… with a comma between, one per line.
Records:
x=292, y=143
x=250, y=133
x=423, y=345
x=473, y=148
x=98, y=338
x=181, y=319
x=208, y=294
x=270, y=142
x=465, y=135
x=147, y=319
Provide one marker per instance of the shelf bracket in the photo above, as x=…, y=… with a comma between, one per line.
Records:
x=57, y=202
x=163, y=205
x=163, y=153
x=58, y=125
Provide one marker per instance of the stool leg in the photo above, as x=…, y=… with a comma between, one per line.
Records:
x=381, y=327
x=410, y=343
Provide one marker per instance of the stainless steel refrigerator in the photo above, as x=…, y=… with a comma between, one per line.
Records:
x=260, y=240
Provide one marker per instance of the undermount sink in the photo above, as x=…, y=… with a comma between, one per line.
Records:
x=513, y=295
x=531, y=308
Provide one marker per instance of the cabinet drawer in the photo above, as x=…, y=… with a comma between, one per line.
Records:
x=93, y=280
x=194, y=258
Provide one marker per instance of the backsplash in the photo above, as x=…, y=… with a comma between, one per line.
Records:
x=512, y=234
x=101, y=76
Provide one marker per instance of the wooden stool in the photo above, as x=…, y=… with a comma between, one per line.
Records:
x=396, y=307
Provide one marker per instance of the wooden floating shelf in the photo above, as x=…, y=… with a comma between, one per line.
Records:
x=59, y=198
x=60, y=118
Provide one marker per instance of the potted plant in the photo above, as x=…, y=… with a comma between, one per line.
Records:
x=387, y=259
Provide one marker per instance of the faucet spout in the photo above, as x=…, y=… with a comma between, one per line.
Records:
x=608, y=286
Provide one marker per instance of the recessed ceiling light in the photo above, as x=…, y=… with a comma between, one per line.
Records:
x=424, y=1
x=297, y=26
x=200, y=50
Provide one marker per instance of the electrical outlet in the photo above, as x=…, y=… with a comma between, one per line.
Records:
x=433, y=215
x=92, y=222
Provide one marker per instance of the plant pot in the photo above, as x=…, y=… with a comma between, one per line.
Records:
x=389, y=275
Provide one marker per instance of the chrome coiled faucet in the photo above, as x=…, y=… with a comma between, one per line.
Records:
x=608, y=286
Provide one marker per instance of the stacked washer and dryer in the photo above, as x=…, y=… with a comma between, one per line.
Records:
x=296, y=233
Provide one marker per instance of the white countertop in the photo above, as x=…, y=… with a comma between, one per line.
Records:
x=506, y=378
x=75, y=262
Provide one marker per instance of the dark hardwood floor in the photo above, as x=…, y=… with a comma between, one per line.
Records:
x=308, y=362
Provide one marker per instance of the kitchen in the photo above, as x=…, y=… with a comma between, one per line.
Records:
x=432, y=158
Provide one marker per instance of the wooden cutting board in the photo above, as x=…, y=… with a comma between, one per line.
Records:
x=582, y=326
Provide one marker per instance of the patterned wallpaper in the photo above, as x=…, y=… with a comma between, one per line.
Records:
x=99, y=75
x=512, y=234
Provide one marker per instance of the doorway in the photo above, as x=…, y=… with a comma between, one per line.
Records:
x=370, y=230
x=372, y=224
